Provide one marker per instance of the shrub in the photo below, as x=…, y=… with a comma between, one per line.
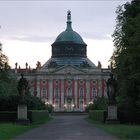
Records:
x=127, y=111
x=99, y=104
x=38, y=116
x=34, y=103
x=7, y=116
x=49, y=107
x=98, y=115
x=10, y=103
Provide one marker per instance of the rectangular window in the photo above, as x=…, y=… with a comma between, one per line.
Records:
x=44, y=92
x=56, y=92
x=81, y=93
x=94, y=93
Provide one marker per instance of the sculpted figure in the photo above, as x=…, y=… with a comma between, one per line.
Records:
x=23, y=86
x=38, y=65
x=111, y=89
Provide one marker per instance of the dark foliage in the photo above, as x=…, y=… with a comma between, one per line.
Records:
x=49, y=107
x=126, y=60
x=99, y=104
x=10, y=103
x=8, y=82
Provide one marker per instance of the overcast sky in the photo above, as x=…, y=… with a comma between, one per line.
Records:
x=28, y=28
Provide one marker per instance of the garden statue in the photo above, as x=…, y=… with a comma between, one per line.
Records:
x=23, y=86
x=22, y=111
x=111, y=89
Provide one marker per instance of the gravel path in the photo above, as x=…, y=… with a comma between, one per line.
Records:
x=66, y=128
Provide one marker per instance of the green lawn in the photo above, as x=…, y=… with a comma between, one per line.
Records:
x=10, y=130
x=123, y=131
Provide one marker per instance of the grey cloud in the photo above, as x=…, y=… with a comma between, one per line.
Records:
x=31, y=38
x=96, y=36
x=42, y=21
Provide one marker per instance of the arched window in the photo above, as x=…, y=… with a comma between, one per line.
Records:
x=81, y=92
x=44, y=82
x=94, y=92
x=56, y=82
x=69, y=82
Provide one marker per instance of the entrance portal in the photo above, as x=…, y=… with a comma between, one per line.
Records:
x=69, y=104
x=81, y=106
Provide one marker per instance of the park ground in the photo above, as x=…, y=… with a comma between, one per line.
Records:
x=70, y=128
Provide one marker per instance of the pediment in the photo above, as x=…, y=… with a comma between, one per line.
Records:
x=68, y=70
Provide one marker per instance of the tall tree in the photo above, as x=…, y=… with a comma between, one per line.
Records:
x=126, y=57
x=3, y=60
x=8, y=83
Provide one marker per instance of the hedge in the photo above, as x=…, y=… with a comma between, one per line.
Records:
x=98, y=115
x=38, y=116
x=6, y=116
x=10, y=103
x=33, y=115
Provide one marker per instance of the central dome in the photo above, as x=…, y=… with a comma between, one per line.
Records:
x=69, y=43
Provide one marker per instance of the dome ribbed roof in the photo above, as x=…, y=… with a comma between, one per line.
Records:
x=69, y=36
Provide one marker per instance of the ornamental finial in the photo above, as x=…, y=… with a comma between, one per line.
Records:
x=69, y=12
x=68, y=15
x=69, y=21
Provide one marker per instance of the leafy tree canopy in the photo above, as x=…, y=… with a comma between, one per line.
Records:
x=126, y=57
x=8, y=83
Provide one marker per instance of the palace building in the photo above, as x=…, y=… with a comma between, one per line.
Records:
x=68, y=80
